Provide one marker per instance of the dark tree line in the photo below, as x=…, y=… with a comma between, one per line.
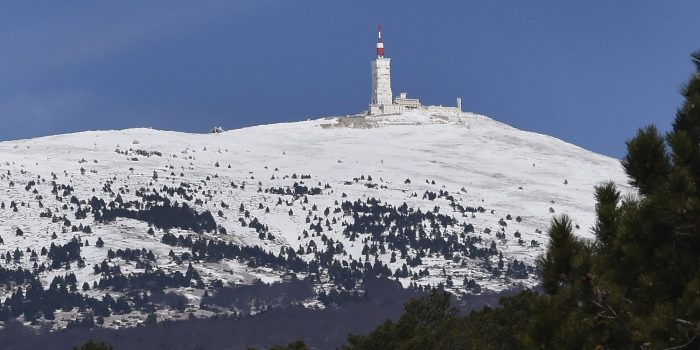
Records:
x=153, y=281
x=260, y=296
x=296, y=190
x=34, y=301
x=163, y=216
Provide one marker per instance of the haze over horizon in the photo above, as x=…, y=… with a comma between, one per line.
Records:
x=589, y=73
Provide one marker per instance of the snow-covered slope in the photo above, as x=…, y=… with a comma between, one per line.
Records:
x=493, y=172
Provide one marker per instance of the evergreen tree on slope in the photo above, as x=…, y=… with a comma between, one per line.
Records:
x=638, y=284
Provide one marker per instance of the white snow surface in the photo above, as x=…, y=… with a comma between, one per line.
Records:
x=499, y=168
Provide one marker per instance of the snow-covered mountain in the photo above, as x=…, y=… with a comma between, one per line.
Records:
x=452, y=198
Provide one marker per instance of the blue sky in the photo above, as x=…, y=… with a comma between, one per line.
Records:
x=589, y=72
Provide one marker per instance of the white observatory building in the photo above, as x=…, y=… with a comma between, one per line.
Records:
x=382, y=101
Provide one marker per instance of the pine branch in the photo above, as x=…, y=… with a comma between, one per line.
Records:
x=605, y=306
x=690, y=342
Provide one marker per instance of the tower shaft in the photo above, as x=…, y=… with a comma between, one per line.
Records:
x=381, y=75
x=381, y=82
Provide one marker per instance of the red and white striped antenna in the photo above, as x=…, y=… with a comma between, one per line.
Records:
x=380, y=44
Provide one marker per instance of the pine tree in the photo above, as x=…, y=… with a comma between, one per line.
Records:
x=566, y=259
x=640, y=285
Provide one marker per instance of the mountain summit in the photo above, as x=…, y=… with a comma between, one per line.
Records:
x=139, y=225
